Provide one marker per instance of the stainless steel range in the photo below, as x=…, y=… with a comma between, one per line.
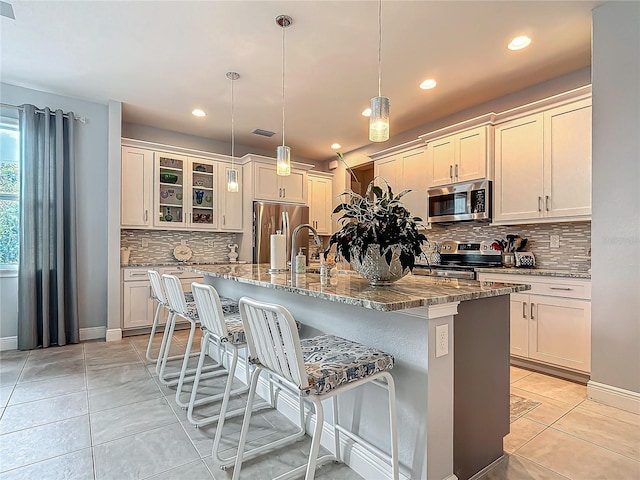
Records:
x=460, y=259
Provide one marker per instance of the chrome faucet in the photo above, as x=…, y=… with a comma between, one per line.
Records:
x=294, y=236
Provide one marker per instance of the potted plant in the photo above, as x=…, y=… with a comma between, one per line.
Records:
x=379, y=236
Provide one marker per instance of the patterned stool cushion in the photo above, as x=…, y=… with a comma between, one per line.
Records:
x=235, y=330
x=332, y=361
x=229, y=306
x=188, y=297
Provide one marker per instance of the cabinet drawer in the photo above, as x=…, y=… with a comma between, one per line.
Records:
x=136, y=274
x=179, y=273
x=549, y=286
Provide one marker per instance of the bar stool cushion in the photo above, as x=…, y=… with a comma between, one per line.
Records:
x=332, y=361
x=229, y=307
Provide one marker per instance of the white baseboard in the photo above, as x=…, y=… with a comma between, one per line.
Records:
x=614, y=396
x=8, y=343
x=359, y=459
x=114, y=334
x=92, y=333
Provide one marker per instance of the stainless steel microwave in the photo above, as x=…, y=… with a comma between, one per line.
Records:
x=459, y=202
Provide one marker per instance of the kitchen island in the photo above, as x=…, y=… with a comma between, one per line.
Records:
x=439, y=437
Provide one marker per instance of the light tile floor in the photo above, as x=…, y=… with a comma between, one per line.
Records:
x=97, y=411
x=567, y=436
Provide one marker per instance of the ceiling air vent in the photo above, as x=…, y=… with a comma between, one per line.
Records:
x=264, y=133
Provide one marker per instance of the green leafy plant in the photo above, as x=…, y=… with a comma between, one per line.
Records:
x=377, y=218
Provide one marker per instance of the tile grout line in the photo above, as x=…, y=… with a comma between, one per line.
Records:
x=594, y=444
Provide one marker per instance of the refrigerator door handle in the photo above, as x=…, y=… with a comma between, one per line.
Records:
x=285, y=229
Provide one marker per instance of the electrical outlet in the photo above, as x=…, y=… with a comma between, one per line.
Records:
x=442, y=340
x=554, y=241
x=144, y=242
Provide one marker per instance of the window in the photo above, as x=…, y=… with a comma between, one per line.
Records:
x=9, y=191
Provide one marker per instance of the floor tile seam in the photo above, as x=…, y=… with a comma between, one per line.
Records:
x=571, y=404
x=585, y=409
x=44, y=424
x=155, y=427
x=45, y=398
x=46, y=460
x=540, y=465
x=536, y=435
x=173, y=467
x=130, y=404
x=636, y=459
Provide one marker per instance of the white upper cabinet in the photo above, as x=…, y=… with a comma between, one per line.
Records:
x=543, y=166
x=272, y=187
x=171, y=190
x=320, y=201
x=407, y=171
x=136, y=188
x=459, y=157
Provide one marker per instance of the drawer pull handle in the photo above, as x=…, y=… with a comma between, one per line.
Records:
x=524, y=309
x=532, y=306
x=546, y=202
x=566, y=289
x=539, y=204
x=138, y=274
x=450, y=171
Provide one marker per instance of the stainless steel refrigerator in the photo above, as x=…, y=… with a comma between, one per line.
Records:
x=270, y=217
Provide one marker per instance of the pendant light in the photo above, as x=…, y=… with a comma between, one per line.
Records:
x=379, y=119
x=283, y=163
x=232, y=173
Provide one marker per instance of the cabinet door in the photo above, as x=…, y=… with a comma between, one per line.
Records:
x=319, y=191
x=171, y=190
x=441, y=158
x=294, y=187
x=560, y=332
x=415, y=178
x=519, y=173
x=202, y=205
x=266, y=184
x=136, y=185
x=519, y=321
x=138, y=305
x=471, y=155
x=567, y=164
x=391, y=170
x=230, y=202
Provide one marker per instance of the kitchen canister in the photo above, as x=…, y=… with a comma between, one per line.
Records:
x=278, y=251
x=125, y=253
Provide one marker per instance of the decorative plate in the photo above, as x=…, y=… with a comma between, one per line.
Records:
x=182, y=253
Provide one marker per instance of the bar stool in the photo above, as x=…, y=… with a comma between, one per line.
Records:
x=315, y=369
x=157, y=293
x=224, y=331
x=179, y=308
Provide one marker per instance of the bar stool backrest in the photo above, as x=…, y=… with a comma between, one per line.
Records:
x=156, y=286
x=273, y=340
x=209, y=309
x=175, y=295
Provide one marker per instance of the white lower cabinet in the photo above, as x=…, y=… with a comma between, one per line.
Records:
x=138, y=308
x=552, y=323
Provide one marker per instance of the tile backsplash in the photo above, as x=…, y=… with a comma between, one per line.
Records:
x=575, y=240
x=206, y=246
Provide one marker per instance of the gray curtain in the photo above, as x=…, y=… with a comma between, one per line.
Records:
x=47, y=285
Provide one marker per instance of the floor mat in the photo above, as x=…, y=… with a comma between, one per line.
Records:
x=518, y=406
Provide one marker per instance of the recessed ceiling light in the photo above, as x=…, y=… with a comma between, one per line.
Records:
x=366, y=112
x=198, y=113
x=519, y=43
x=428, y=84
x=336, y=146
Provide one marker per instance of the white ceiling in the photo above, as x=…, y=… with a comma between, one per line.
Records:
x=164, y=58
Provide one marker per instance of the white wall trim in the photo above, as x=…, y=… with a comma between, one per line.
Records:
x=614, y=396
x=9, y=271
x=92, y=333
x=359, y=459
x=8, y=343
x=113, y=334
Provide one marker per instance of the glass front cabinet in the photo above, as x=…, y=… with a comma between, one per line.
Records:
x=186, y=192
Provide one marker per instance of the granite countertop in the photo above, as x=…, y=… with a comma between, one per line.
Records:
x=545, y=272
x=347, y=287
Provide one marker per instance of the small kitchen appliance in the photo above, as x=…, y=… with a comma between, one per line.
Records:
x=459, y=202
x=460, y=259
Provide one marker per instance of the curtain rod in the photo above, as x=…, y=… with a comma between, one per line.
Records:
x=75, y=117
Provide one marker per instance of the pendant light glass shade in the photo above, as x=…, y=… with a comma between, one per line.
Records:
x=232, y=173
x=379, y=120
x=232, y=180
x=283, y=164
